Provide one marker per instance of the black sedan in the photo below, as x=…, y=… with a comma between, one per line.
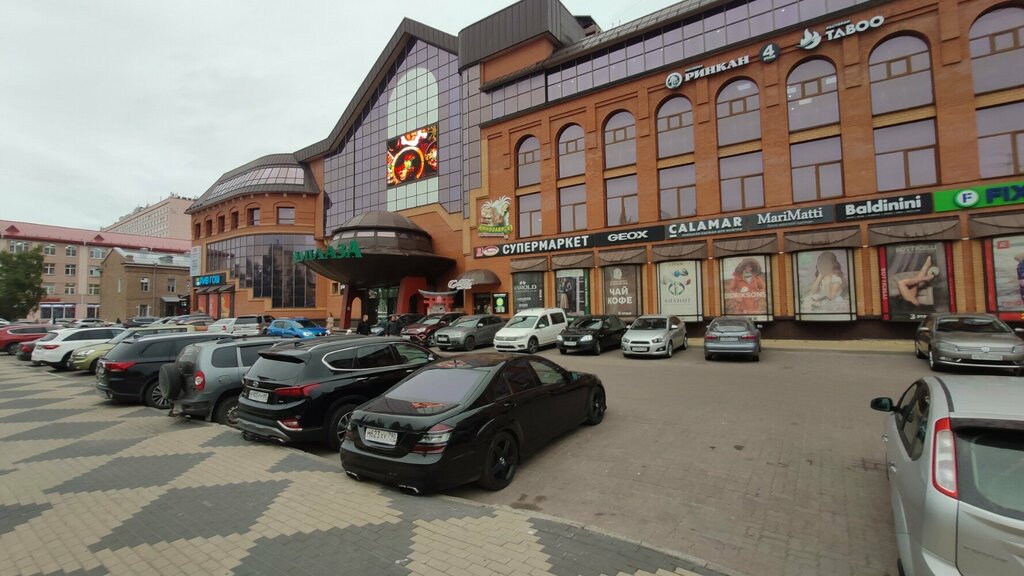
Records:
x=592, y=334
x=470, y=418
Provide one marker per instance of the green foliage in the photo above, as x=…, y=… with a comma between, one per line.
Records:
x=21, y=283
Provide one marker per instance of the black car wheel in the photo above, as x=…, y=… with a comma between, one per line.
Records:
x=470, y=343
x=154, y=397
x=531, y=346
x=12, y=348
x=668, y=350
x=708, y=356
x=501, y=462
x=932, y=364
x=92, y=367
x=337, y=424
x=756, y=357
x=596, y=407
x=686, y=342
x=63, y=364
x=169, y=381
x=227, y=411
x=562, y=351
x=597, y=348
x=430, y=341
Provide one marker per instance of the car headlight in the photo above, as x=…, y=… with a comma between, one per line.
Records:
x=658, y=340
x=1018, y=349
x=84, y=353
x=307, y=333
x=946, y=347
x=558, y=338
x=586, y=338
x=625, y=340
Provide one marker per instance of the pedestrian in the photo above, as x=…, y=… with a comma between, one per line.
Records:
x=330, y=322
x=394, y=327
x=364, y=326
x=118, y=321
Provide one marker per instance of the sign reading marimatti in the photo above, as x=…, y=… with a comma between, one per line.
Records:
x=341, y=251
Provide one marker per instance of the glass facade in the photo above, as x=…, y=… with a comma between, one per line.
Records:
x=263, y=263
x=275, y=175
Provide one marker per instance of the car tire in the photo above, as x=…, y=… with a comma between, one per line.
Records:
x=430, y=341
x=443, y=348
x=63, y=365
x=899, y=567
x=333, y=431
x=562, y=351
x=226, y=412
x=669, y=349
x=596, y=406
x=932, y=364
x=756, y=357
x=170, y=381
x=92, y=367
x=154, y=397
x=469, y=344
x=917, y=351
x=708, y=356
x=500, y=463
x=597, y=348
x=686, y=342
x=12, y=348
x=532, y=346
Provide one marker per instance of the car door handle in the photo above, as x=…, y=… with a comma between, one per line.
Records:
x=508, y=404
x=885, y=438
x=410, y=370
x=892, y=467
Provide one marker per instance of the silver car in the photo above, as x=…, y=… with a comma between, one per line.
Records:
x=969, y=340
x=732, y=337
x=468, y=332
x=654, y=336
x=955, y=458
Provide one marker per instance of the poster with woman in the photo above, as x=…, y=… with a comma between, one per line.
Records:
x=915, y=280
x=572, y=291
x=622, y=290
x=824, y=285
x=527, y=290
x=679, y=289
x=746, y=287
x=1006, y=277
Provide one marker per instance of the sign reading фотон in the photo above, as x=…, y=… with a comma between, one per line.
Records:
x=208, y=280
x=339, y=252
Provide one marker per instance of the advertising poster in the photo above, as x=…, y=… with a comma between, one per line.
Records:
x=494, y=218
x=746, y=287
x=679, y=289
x=622, y=290
x=527, y=290
x=824, y=285
x=499, y=303
x=915, y=280
x=1005, y=277
x=572, y=291
x=412, y=156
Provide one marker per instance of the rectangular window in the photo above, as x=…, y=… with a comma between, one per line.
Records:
x=69, y=289
x=916, y=280
x=143, y=309
x=95, y=271
x=96, y=253
x=572, y=291
x=49, y=288
x=817, y=169
x=746, y=286
x=220, y=224
x=198, y=231
x=119, y=285
x=234, y=220
x=335, y=288
x=49, y=268
x=677, y=191
x=621, y=290
x=49, y=250
x=527, y=291
x=679, y=289
x=824, y=285
x=70, y=269
x=172, y=285
x=529, y=215
x=253, y=216
x=94, y=289
x=286, y=215
x=1001, y=140
x=742, y=181
x=572, y=208
x=71, y=250
x=18, y=247
x=1003, y=276
x=144, y=284
x=621, y=201
x=905, y=156
x=209, y=227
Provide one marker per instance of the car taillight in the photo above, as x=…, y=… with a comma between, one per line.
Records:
x=748, y=337
x=944, y=459
x=117, y=366
x=711, y=336
x=434, y=441
x=290, y=424
x=297, y=391
x=200, y=380
x=25, y=348
x=49, y=346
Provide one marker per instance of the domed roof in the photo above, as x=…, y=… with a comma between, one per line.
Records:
x=379, y=219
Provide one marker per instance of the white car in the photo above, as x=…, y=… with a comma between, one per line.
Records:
x=530, y=329
x=58, y=350
x=223, y=325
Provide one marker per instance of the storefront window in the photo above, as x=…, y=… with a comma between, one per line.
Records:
x=824, y=285
x=915, y=280
x=679, y=289
x=572, y=289
x=622, y=291
x=746, y=287
x=527, y=290
x=482, y=303
x=263, y=263
x=1004, y=276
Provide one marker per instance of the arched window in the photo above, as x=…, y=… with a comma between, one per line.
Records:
x=571, y=160
x=675, y=127
x=528, y=162
x=997, y=50
x=620, y=140
x=738, y=109
x=901, y=76
x=812, y=96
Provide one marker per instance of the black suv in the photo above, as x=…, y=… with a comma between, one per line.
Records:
x=304, y=392
x=130, y=371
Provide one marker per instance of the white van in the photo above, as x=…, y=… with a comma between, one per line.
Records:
x=530, y=329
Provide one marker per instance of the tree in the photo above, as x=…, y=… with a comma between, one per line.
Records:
x=21, y=283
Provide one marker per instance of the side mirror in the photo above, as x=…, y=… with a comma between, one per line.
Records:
x=431, y=358
x=674, y=327
x=882, y=404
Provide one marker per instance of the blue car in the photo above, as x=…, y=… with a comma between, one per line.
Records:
x=296, y=328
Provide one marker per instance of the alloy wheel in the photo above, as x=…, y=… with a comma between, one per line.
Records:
x=470, y=343
x=531, y=347
x=504, y=460
x=596, y=410
x=158, y=399
x=343, y=423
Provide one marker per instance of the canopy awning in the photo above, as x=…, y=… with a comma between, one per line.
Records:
x=680, y=251
x=749, y=245
x=986, y=225
x=818, y=239
x=570, y=261
x=479, y=276
x=944, y=229
x=170, y=299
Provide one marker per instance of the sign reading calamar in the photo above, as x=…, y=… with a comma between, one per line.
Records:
x=982, y=196
x=338, y=252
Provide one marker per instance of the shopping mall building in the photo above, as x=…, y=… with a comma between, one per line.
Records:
x=833, y=168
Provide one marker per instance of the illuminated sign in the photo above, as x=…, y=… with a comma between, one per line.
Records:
x=811, y=39
x=413, y=156
x=339, y=252
x=208, y=280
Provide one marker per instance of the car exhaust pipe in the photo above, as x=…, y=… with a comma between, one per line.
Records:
x=412, y=489
x=353, y=476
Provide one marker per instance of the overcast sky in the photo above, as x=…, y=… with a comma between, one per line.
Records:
x=108, y=105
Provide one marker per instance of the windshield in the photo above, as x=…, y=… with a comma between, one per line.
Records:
x=306, y=323
x=650, y=324
x=729, y=327
x=465, y=321
x=432, y=391
x=974, y=325
x=521, y=322
x=990, y=464
x=431, y=321
x=586, y=323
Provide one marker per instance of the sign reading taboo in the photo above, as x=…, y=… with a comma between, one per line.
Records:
x=527, y=290
x=824, y=289
x=622, y=290
x=980, y=197
x=915, y=280
x=573, y=290
x=679, y=289
x=1004, y=270
x=341, y=251
x=746, y=287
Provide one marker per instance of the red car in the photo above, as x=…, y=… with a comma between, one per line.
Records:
x=14, y=334
x=423, y=331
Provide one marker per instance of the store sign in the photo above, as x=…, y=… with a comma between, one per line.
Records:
x=649, y=234
x=980, y=197
x=527, y=290
x=208, y=280
x=494, y=218
x=700, y=71
x=811, y=39
x=460, y=284
x=195, y=261
x=792, y=217
x=338, y=252
x=908, y=205
x=536, y=246
x=679, y=289
x=499, y=303
x=706, y=227
x=915, y=280
x=823, y=285
x=746, y=286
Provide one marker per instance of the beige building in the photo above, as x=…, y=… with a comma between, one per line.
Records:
x=165, y=219
x=144, y=283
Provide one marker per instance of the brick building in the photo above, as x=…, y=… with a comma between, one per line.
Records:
x=144, y=283
x=164, y=219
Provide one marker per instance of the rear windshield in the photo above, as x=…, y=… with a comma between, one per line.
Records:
x=431, y=321
x=521, y=322
x=432, y=391
x=586, y=323
x=245, y=321
x=49, y=336
x=976, y=325
x=276, y=367
x=729, y=326
x=649, y=324
x=990, y=465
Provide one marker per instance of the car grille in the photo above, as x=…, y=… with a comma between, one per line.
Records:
x=639, y=342
x=506, y=338
x=992, y=349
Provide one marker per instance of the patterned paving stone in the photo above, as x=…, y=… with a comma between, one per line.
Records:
x=302, y=463
x=359, y=550
x=59, y=431
x=22, y=403
x=577, y=552
x=132, y=472
x=142, y=413
x=39, y=415
x=229, y=437
x=84, y=448
x=12, y=515
x=98, y=571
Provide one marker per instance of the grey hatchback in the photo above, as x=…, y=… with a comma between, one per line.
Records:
x=468, y=332
x=954, y=458
x=732, y=337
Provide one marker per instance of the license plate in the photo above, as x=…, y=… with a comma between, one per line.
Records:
x=729, y=339
x=568, y=343
x=406, y=337
x=986, y=356
x=442, y=338
x=381, y=436
x=639, y=348
x=257, y=396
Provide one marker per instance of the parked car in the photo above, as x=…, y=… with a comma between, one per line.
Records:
x=139, y=321
x=130, y=371
x=225, y=325
x=195, y=319
x=301, y=392
x=591, y=334
x=423, y=330
x=12, y=335
x=4, y=322
x=252, y=324
x=56, y=351
x=468, y=419
x=655, y=335
x=206, y=378
x=969, y=340
x=954, y=449
x=468, y=332
x=87, y=357
x=404, y=320
x=530, y=329
x=25, y=350
x=732, y=337
x=86, y=323
x=296, y=328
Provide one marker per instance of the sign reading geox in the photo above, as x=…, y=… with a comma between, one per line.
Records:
x=811, y=38
x=330, y=253
x=650, y=234
x=791, y=217
x=907, y=205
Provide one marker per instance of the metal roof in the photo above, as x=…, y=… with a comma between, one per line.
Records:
x=515, y=24
x=148, y=258
x=208, y=198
